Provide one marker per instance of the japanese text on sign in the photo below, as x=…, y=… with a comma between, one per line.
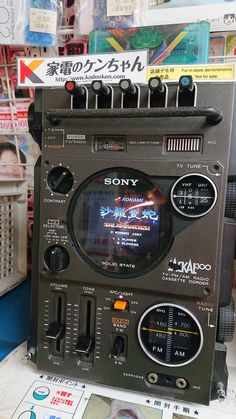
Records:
x=207, y=72
x=46, y=72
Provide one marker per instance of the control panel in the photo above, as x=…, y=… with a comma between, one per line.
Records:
x=132, y=269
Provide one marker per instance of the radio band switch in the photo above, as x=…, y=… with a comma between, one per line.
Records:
x=120, y=305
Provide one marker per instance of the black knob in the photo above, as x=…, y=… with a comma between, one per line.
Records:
x=100, y=88
x=230, y=204
x=127, y=86
x=155, y=85
x=56, y=259
x=226, y=323
x=60, y=180
x=74, y=89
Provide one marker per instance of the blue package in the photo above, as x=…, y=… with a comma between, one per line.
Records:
x=42, y=15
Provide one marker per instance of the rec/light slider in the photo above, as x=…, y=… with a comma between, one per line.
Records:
x=74, y=89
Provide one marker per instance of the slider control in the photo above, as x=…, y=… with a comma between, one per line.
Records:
x=104, y=94
x=186, y=92
x=84, y=345
x=130, y=94
x=56, y=329
x=157, y=93
x=55, y=332
x=78, y=93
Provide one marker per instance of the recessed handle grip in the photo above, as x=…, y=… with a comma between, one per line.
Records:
x=213, y=115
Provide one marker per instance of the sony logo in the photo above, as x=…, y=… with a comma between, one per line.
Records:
x=116, y=181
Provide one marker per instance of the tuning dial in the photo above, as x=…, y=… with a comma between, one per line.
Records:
x=57, y=259
x=60, y=180
x=226, y=323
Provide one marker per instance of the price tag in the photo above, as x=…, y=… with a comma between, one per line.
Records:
x=42, y=20
x=120, y=7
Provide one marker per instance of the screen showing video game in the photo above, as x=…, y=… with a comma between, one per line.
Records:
x=120, y=222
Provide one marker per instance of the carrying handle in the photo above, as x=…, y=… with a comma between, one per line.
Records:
x=213, y=115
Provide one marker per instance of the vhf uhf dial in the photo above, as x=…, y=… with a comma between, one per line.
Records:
x=193, y=195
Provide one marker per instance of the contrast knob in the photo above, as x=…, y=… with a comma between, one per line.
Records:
x=56, y=259
x=226, y=323
x=60, y=180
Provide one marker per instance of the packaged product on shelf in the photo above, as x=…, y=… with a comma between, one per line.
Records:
x=167, y=44
x=29, y=22
x=221, y=14
x=102, y=14
x=217, y=48
x=111, y=14
x=222, y=47
x=230, y=45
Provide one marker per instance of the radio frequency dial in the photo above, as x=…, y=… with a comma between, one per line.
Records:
x=60, y=180
x=170, y=335
x=193, y=195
